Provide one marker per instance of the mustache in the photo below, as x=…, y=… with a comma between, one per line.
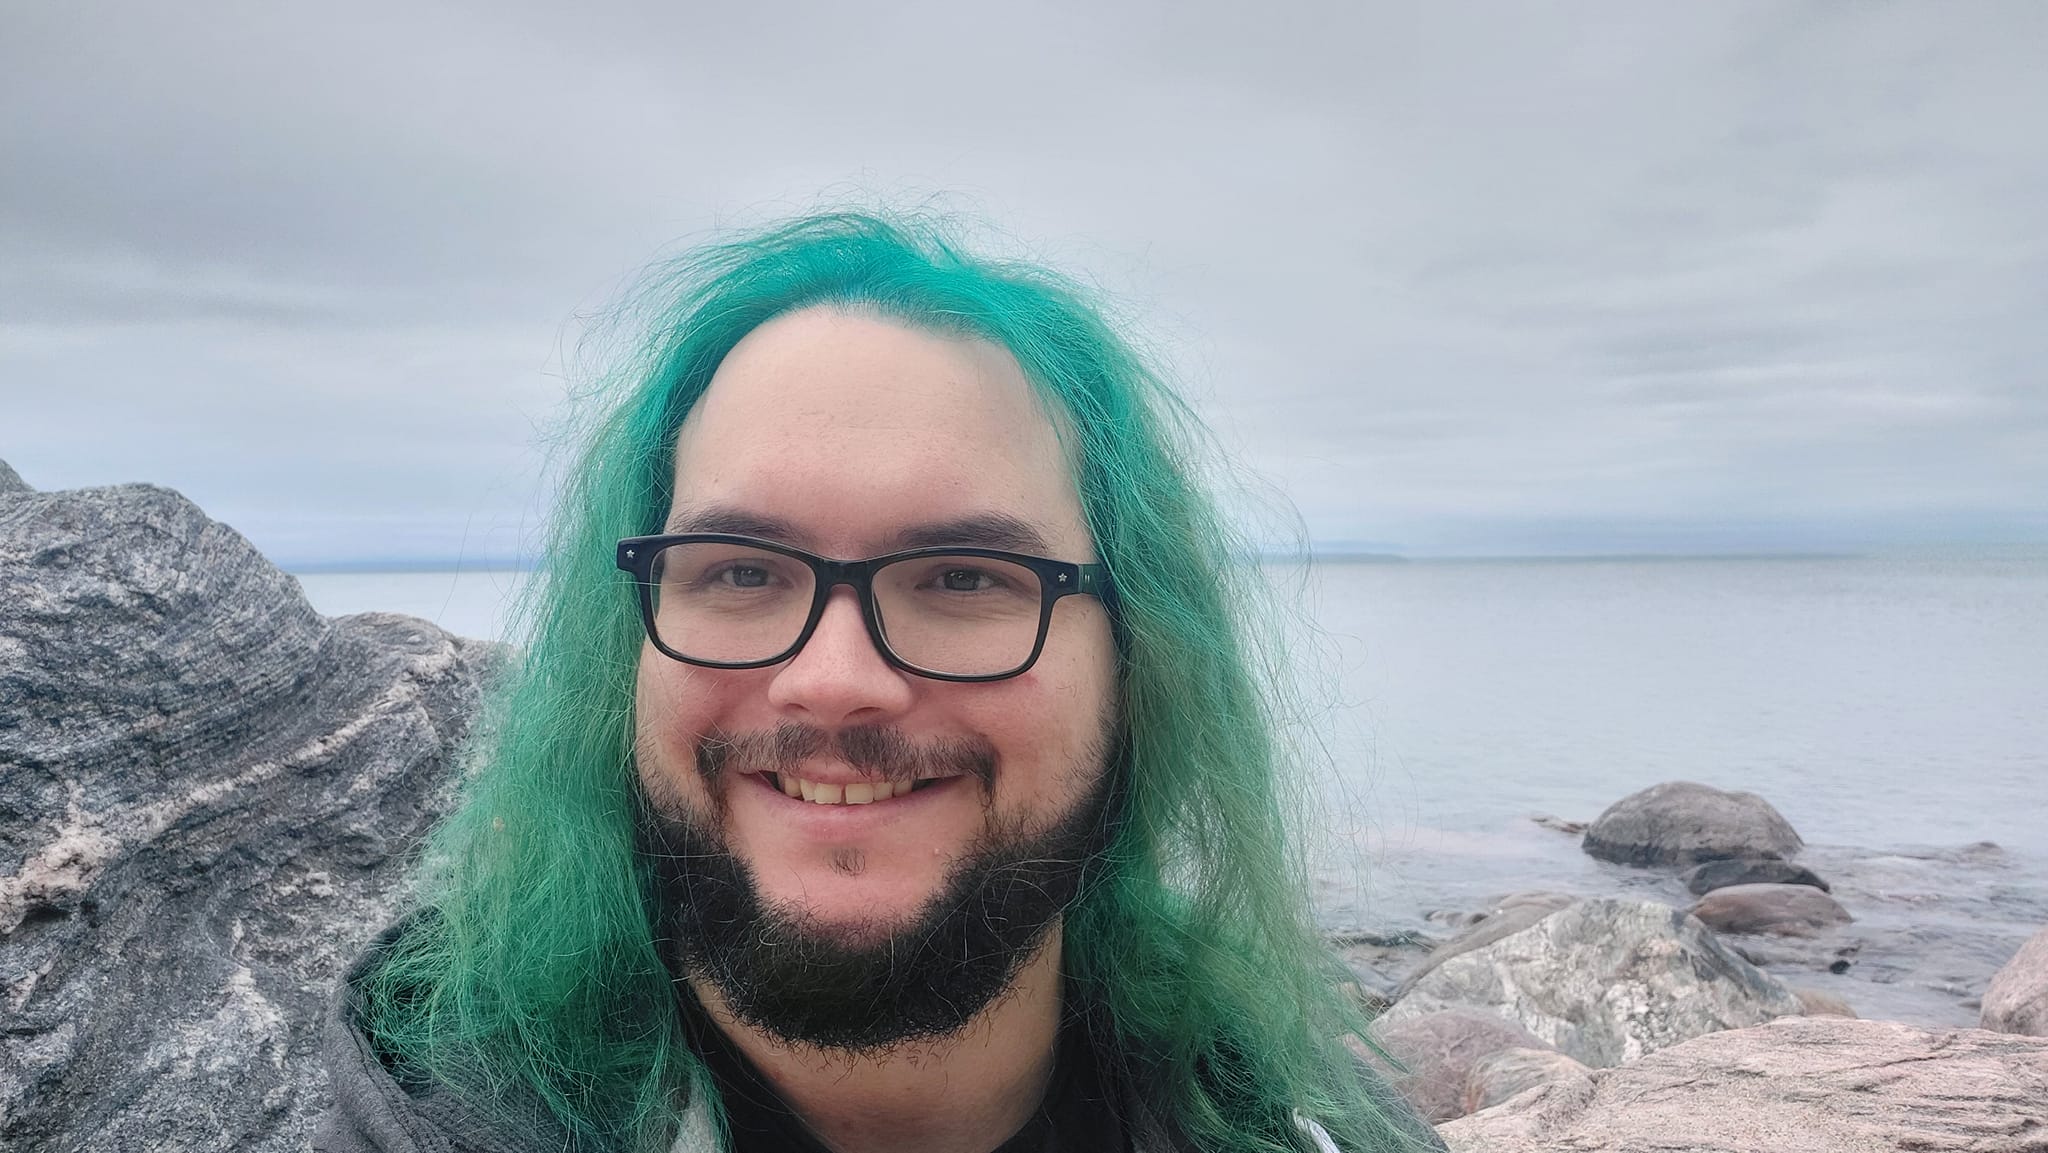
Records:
x=880, y=751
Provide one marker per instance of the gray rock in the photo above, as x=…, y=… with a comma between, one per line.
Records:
x=1437, y=1052
x=1683, y=823
x=1606, y=981
x=1703, y=879
x=207, y=795
x=1815, y=1084
x=1784, y=910
x=1817, y=1003
x=1378, y=962
x=2017, y=999
x=1509, y=915
x=1510, y=1072
x=10, y=480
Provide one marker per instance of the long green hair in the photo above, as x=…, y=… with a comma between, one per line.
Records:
x=532, y=973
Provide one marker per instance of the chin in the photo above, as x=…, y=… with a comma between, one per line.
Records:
x=854, y=907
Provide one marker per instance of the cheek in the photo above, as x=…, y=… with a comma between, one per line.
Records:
x=674, y=705
x=658, y=699
x=1053, y=723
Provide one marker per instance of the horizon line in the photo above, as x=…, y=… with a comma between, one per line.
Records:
x=1338, y=554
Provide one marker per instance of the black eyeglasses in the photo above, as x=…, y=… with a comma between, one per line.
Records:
x=952, y=614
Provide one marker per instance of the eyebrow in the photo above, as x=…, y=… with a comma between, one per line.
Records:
x=733, y=521
x=995, y=530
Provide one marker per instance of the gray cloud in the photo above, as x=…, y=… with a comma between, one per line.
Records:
x=1457, y=277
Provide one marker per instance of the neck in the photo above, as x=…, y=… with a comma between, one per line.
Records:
x=963, y=1093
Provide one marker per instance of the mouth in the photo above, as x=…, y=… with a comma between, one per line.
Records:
x=855, y=793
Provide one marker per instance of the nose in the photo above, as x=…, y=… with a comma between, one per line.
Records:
x=839, y=678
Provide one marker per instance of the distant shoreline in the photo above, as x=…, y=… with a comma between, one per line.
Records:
x=367, y=567
x=1339, y=556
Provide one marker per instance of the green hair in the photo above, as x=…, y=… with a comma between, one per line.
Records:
x=534, y=974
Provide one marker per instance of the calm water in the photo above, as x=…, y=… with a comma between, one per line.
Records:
x=1895, y=710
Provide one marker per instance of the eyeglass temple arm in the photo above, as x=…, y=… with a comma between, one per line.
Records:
x=1092, y=579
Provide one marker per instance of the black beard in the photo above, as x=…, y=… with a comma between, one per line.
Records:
x=806, y=983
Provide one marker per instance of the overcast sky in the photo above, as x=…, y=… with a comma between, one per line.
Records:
x=1498, y=278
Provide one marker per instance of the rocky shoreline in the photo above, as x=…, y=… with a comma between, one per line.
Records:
x=1554, y=1021
x=208, y=793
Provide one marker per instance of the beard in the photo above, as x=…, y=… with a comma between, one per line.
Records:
x=866, y=988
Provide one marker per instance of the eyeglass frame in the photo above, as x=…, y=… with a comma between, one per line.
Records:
x=1056, y=579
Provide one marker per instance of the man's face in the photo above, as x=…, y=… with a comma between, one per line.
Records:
x=851, y=437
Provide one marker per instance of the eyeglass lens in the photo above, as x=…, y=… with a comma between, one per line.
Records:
x=956, y=615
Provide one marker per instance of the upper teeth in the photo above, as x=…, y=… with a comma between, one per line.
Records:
x=858, y=793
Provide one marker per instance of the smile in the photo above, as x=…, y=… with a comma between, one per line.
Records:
x=856, y=793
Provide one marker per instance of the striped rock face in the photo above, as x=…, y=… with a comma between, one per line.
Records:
x=210, y=793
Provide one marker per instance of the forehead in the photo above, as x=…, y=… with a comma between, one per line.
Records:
x=850, y=434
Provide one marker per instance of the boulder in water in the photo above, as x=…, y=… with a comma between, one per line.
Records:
x=1783, y=910
x=1684, y=823
x=1705, y=878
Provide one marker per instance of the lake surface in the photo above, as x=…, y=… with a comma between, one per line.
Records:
x=1894, y=709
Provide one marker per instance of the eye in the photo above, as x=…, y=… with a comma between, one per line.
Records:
x=967, y=580
x=742, y=576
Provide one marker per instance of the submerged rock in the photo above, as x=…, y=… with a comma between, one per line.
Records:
x=1819, y=1085
x=1438, y=1051
x=209, y=793
x=2017, y=999
x=1703, y=879
x=1606, y=981
x=1683, y=823
x=1783, y=910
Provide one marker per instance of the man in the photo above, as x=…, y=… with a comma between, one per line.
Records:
x=909, y=789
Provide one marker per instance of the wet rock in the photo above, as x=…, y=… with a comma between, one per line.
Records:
x=209, y=795
x=1559, y=824
x=1378, y=961
x=1782, y=910
x=1438, y=1050
x=1458, y=919
x=1605, y=981
x=1815, y=1084
x=1703, y=879
x=1683, y=823
x=1836, y=954
x=1509, y=915
x=2016, y=1001
x=1498, y=1076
